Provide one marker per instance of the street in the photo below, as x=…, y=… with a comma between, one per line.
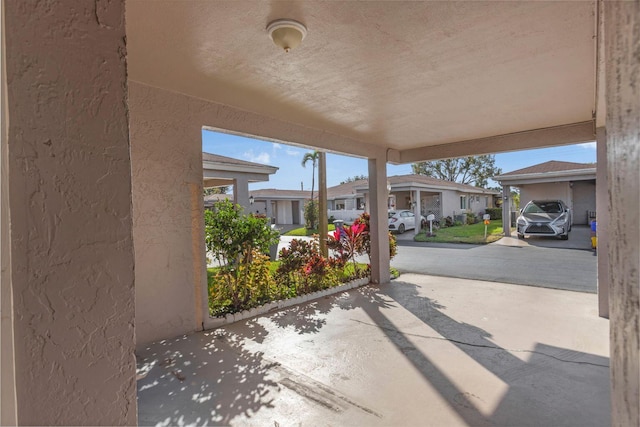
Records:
x=569, y=269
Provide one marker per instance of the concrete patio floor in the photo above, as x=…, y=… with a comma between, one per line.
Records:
x=421, y=350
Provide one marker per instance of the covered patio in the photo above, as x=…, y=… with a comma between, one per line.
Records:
x=422, y=350
x=103, y=108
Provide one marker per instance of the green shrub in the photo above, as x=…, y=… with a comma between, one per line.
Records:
x=311, y=214
x=239, y=243
x=471, y=218
x=494, y=213
x=247, y=285
x=303, y=269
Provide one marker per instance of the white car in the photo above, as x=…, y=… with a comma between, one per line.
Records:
x=403, y=220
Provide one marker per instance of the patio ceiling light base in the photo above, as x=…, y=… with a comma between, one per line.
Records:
x=287, y=34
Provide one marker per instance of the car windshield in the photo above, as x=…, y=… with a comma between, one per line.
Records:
x=543, y=207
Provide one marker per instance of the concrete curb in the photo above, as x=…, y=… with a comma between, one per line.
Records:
x=216, y=322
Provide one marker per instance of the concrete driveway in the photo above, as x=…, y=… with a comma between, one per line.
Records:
x=423, y=350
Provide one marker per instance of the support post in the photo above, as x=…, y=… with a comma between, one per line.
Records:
x=67, y=244
x=622, y=39
x=322, y=203
x=378, y=223
x=417, y=212
x=506, y=210
x=602, y=217
x=241, y=193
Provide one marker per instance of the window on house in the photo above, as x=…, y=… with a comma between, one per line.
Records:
x=463, y=202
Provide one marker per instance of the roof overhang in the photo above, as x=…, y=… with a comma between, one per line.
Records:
x=539, y=178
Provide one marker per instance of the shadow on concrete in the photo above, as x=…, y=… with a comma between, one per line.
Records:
x=546, y=389
x=214, y=377
x=213, y=381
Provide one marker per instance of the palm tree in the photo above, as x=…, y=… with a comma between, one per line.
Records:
x=313, y=157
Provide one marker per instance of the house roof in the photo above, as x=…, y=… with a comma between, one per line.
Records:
x=273, y=193
x=354, y=188
x=435, y=183
x=550, y=166
x=215, y=162
x=552, y=171
x=346, y=189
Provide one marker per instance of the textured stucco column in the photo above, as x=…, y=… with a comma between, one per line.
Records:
x=506, y=210
x=622, y=38
x=166, y=162
x=67, y=214
x=379, y=226
x=241, y=193
x=602, y=212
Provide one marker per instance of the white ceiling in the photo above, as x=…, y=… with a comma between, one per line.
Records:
x=400, y=75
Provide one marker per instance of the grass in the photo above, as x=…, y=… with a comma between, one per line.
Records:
x=303, y=231
x=473, y=233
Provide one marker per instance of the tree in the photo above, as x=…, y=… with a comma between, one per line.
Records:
x=474, y=170
x=354, y=178
x=313, y=157
x=216, y=190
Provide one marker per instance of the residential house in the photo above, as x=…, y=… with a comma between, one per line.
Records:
x=438, y=197
x=573, y=183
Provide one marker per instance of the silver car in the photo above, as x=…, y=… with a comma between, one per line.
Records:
x=544, y=218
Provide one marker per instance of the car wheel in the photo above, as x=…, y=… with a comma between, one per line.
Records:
x=401, y=229
x=564, y=237
x=520, y=236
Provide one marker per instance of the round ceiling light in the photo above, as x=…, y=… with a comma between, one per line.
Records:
x=286, y=33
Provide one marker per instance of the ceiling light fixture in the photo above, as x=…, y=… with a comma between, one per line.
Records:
x=286, y=33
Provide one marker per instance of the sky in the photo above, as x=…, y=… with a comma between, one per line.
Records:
x=292, y=176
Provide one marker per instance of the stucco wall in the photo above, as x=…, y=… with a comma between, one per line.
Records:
x=583, y=194
x=69, y=195
x=622, y=37
x=166, y=162
x=546, y=191
x=450, y=203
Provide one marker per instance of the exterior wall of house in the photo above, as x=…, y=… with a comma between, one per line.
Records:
x=67, y=246
x=545, y=191
x=450, y=203
x=166, y=162
x=584, y=200
x=285, y=212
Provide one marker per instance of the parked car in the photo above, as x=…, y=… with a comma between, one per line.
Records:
x=403, y=220
x=544, y=218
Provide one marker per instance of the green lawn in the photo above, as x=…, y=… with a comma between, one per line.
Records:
x=302, y=231
x=473, y=233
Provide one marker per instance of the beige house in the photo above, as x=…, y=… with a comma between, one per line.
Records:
x=437, y=197
x=101, y=184
x=573, y=183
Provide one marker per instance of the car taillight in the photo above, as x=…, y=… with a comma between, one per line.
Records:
x=393, y=219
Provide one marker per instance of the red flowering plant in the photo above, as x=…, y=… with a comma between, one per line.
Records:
x=348, y=243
